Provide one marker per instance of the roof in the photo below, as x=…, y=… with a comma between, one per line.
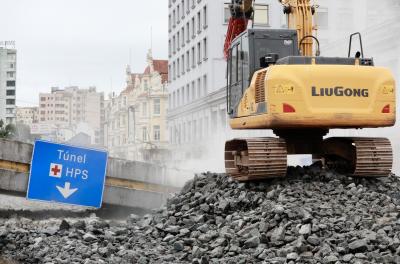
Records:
x=130, y=88
x=160, y=66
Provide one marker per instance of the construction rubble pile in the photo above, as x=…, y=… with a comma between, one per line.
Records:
x=312, y=216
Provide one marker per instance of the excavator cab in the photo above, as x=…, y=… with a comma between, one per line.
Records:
x=253, y=50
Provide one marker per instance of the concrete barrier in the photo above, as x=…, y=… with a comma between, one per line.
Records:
x=128, y=183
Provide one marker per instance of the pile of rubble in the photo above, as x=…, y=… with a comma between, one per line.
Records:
x=312, y=216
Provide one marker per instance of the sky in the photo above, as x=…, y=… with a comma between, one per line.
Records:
x=81, y=42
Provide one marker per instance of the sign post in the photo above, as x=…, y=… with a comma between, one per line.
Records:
x=66, y=174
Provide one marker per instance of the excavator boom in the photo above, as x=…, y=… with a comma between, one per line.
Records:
x=241, y=13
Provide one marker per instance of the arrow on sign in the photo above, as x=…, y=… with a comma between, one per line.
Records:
x=66, y=191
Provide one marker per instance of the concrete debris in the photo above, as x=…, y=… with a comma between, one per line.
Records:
x=312, y=216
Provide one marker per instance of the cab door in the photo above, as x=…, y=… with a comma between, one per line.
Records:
x=235, y=87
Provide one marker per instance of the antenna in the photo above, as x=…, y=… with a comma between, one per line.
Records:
x=130, y=56
x=151, y=37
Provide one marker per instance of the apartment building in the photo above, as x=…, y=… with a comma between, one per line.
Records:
x=66, y=108
x=8, y=77
x=136, y=119
x=27, y=115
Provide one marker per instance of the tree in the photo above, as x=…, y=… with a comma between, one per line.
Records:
x=7, y=131
x=23, y=133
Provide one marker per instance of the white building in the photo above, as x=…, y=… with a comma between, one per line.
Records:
x=197, y=70
x=8, y=64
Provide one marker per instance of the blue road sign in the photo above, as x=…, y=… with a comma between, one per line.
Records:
x=67, y=174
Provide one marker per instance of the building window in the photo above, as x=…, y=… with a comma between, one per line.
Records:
x=322, y=18
x=184, y=133
x=205, y=88
x=199, y=94
x=10, y=101
x=10, y=83
x=201, y=128
x=206, y=126
x=178, y=40
x=193, y=28
x=189, y=131
x=205, y=17
x=12, y=65
x=227, y=13
x=156, y=132
x=174, y=44
x=187, y=32
x=187, y=61
x=198, y=22
x=10, y=74
x=205, y=55
x=144, y=109
x=10, y=92
x=183, y=63
x=174, y=99
x=261, y=14
x=178, y=67
x=178, y=14
x=183, y=36
x=193, y=58
x=144, y=133
x=157, y=106
x=169, y=23
x=199, y=53
x=193, y=90
x=194, y=129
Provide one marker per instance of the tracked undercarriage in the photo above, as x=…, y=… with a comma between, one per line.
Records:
x=263, y=158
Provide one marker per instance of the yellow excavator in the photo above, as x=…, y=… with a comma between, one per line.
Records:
x=276, y=81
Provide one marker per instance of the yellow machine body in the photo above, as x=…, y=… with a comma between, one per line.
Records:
x=318, y=96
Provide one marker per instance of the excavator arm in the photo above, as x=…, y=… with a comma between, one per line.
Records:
x=300, y=17
x=241, y=13
x=299, y=14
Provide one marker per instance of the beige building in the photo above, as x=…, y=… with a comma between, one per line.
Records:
x=69, y=107
x=136, y=126
x=27, y=115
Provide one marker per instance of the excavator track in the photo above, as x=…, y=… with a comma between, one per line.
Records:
x=256, y=158
x=369, y=157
